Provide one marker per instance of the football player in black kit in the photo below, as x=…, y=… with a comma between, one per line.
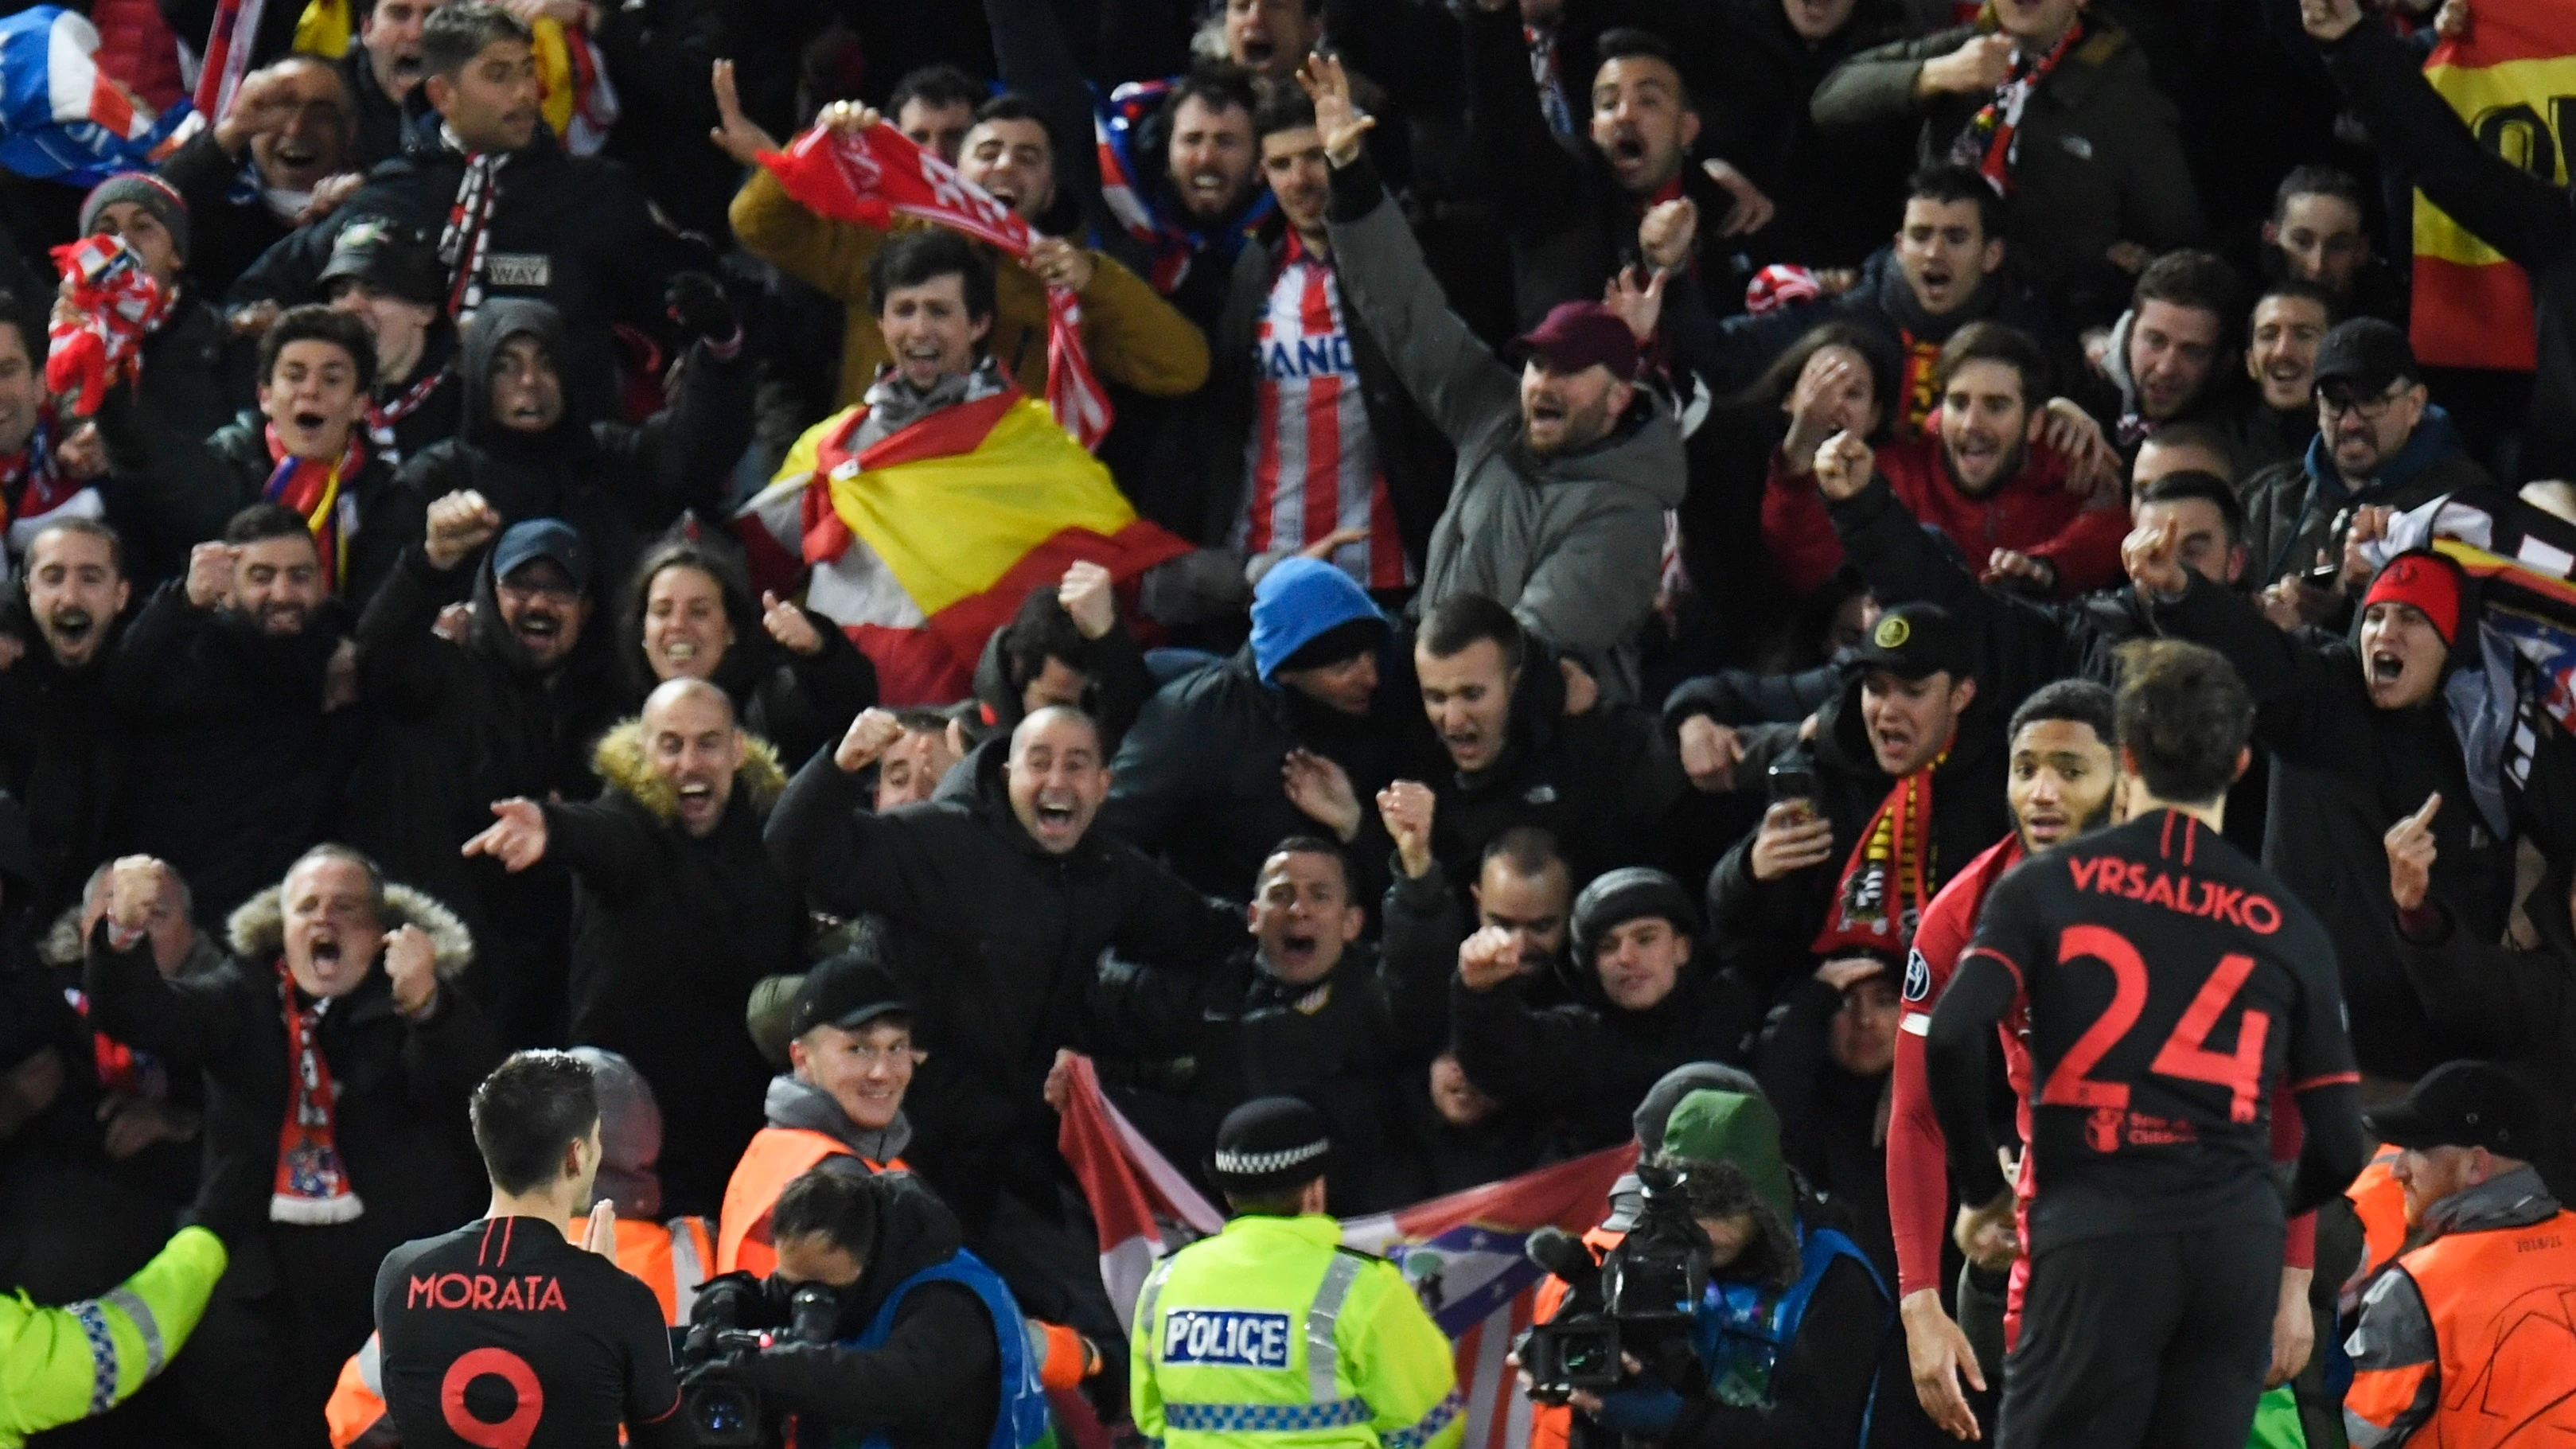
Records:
x=503, y=1334
x=2172, y=987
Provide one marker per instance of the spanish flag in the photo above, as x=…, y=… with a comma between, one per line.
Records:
x=2508, y=78
x=924, y=543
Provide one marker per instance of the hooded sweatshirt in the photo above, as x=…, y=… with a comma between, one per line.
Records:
x=804, y=1106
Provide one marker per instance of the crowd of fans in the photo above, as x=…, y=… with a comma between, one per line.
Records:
x=1619, y=468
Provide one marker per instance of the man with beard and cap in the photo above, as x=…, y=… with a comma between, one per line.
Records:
x=388, y=277
x=1306, y=1010
x=338, y=1058
x=1273, y=1321
x=249, y=179
x=510, y=709
x=677, y=913
x=2467, y=1332
x=382, y=70
x=1643, y=1000
x=1564, y=475
x=1133, y=337
x=2362, y=732
x=1580, y=210
x=305, y=448
x=2291, y=319
x=62, y=741
x=232, y=681
x=2381, y=442
x=996, y=992
x=1900, y=787
x=516, y=216
x=526, y=444
x=1294, y=731
x=1522, y=751
x=1986, y=476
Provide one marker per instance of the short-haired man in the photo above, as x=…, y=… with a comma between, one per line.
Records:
x=1066, y=645
x=2381, y=442
x=2489, y=1239
x=382, y=70
x=1987, y=477
x=505, y=1323
x=2056, y=107
x=677, y=913
x=1273, y=1318
x=305, y=448
x=337, y=1054
x=2162, y=1025
x=1581, y=208
x=525, y=218
x=1564, y=473
x=62, y=740
x=2275, y=425
x=934, y=107
x=1522, y=889
x=292, y=127
x=1132, y=336
x=2170, y=354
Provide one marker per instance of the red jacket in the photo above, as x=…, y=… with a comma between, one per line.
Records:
x=2031, y=513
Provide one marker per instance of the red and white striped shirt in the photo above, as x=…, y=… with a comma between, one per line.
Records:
x=1313, y=465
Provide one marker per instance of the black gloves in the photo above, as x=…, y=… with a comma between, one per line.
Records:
x=697, y=302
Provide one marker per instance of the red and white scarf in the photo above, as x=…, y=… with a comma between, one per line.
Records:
x=384, y=417
x=312, y=1185
x=1992, y=141
x=1888, y=879
x=314, y=488
x=466, y=241
x=872, y=177
x=228, y=48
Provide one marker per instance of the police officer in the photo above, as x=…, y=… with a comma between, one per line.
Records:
x=2465, y=1340
x=1273, y=1334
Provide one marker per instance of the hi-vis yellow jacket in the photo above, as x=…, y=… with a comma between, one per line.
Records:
x=1270, y=1336
x=62, y=1364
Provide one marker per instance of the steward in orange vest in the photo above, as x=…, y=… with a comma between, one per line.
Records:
x=2469, y=1340
x=850, y=1059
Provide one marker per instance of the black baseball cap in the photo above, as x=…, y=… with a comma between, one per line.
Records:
x=2462, y=1104
x=848, y=991
x=543, y=538
x=388, y=256
x=2364, y=357
x=1916, y=641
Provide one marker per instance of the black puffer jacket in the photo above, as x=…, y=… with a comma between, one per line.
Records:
x=619, y=483
x=194, y=376
x=400, y=1120
x=670, y=932
x=238, y=768
x=997, y=943
x=63, y=755
x=569, y=230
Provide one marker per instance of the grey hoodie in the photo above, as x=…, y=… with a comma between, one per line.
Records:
x=791, y=1103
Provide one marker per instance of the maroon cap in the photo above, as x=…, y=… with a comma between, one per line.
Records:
x=1575, y=335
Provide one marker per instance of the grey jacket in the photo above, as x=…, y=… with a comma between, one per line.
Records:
x=1572, y=543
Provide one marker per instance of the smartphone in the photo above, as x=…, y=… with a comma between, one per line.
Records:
x=2323, y=576
x=1793, y=781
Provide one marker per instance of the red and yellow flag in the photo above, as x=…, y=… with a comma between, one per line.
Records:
x=2513, y=79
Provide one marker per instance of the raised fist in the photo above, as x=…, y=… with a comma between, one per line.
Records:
x=458, y=524
x=868, y=737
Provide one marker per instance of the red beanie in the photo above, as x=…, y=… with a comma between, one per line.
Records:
x=2426, y=581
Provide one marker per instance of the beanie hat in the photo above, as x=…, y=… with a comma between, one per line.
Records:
x=1738, y=1128
x=1630, y=893
x=2424, y=580
x=146, y=190
x=1301, y=601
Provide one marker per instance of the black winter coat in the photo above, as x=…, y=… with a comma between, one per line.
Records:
x=63, y=756
x=2509, y=1005
x=569, y=230
x=997, y=943
x=669, y=934
x=183, y=394
x=400, y=1121
x=1840, y=193
x=238, y=768
x=224, y=235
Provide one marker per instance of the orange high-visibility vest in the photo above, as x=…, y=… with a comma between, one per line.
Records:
x=2379, y=1199
x=1552, y=1425
x=671, y=1258
x=2503, y=1307
x=776, y=1157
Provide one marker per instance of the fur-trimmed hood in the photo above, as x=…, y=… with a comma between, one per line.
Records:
x=257, y=930
x=619, y=758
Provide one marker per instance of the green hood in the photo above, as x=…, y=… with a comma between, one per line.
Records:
x=1714, y=1126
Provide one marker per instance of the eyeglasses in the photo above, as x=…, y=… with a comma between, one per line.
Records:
x=561, y=590
x=2332, y=405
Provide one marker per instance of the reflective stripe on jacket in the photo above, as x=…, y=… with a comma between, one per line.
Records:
x=2470, y=1343
x=81, y=1360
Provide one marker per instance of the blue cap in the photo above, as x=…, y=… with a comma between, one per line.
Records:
x=1298, y=602
x=548, y=538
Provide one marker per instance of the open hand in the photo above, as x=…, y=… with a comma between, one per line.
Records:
x=1638, y=299
x=1338, y=119
x=1938, y=1353
x=735, y=134
x=1320, y=788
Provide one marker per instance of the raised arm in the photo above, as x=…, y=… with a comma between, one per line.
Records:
x=1540, y=184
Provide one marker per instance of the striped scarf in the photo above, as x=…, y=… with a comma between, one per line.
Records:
x=1888, y=880
x=384, y=417
x=312, y=1185
x=228, y=48
x=1992, y=141
x=314, y=488
x=466, y=242
x=32, y=484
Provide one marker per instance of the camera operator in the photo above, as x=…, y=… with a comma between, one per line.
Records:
x=892, y=1331
x=504, y=1332
x=1787, y=1338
